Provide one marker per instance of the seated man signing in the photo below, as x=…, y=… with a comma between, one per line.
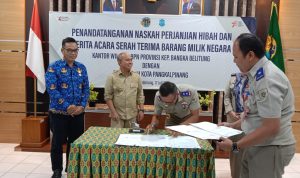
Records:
x=181, y=103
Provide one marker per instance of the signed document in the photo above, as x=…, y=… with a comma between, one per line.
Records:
x=157, y=141
x=205, y=130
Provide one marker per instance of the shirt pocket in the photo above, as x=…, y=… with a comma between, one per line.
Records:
x=133, y=85
x=170, y=109
x=133, y=89
x=118, y=89
x=77, y=76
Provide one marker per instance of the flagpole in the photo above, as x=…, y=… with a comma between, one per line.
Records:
x=34, y=58
x=34, y=97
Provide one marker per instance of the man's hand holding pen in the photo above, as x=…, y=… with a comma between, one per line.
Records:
x=150, y=128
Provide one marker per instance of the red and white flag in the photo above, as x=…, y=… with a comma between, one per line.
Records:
x=35, y=60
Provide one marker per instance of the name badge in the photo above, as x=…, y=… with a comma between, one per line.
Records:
x=185, y=93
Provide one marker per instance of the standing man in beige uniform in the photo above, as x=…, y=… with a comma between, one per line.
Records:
x=233, y=103
x=182, y=103
x=268, y=108
x=124, y=94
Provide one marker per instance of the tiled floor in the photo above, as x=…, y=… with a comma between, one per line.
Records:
x=38, y=165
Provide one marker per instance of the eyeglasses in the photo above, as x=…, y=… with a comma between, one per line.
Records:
x=70, y=51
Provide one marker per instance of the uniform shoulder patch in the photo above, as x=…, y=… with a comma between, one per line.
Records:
x=262, y=95
x=185, y=93
x=260, y=74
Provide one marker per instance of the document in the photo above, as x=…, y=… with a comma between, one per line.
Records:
x=157, y=141
x=205, y=130
x=194, y=132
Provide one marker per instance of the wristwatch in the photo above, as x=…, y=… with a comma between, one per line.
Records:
x=141, y=110
x=235, y=148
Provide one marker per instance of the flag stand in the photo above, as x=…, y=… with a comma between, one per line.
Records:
x=35, y=129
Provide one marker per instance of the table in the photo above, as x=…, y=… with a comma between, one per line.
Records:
x=99, y=116
x=94, y=155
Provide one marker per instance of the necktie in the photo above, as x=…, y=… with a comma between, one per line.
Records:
x=246, y=94
x=238, y=89
x=188, y=8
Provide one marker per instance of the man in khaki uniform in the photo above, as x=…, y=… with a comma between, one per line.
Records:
x=124, y=94
x=268, y=108
x=181, y=103
x=233, y=103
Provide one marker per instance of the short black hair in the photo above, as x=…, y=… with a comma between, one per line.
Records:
x=68, y=40
x=250, y=42
x=167, y=88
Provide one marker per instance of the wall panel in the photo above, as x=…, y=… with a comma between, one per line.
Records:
x=12, y=20
x=10, y=127
x=296, y=131
x=12, y=45
x=290, y=36
x=12, y=76
x=12, y=69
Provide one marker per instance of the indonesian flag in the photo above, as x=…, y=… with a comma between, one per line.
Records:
x=35, y=60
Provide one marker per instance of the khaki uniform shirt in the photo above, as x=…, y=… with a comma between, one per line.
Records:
x=125, y=92
x=270, y=96
x=188, y=101
x=229, y=96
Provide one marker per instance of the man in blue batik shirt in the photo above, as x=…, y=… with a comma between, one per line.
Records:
x=68, y=88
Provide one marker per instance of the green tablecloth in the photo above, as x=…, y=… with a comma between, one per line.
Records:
x=95, y=155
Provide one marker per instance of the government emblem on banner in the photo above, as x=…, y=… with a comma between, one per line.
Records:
x=237, y=23
x=162, y=22
x=146, y=22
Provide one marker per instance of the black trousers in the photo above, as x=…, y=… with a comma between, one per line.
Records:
x=65, y=129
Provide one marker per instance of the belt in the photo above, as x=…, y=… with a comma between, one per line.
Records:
x=59, y=112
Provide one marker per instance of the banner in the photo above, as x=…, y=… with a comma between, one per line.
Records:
x=195, y=50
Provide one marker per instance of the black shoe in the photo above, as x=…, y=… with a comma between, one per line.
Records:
x=56, y=174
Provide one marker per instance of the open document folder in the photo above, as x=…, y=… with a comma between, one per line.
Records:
x=157, y=141
x=205, y=130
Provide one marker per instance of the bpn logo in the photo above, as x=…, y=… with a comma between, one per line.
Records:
x=146, y=22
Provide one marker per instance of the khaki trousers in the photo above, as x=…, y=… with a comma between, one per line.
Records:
x=235, y=159
x=266, y=161
x=120, y=123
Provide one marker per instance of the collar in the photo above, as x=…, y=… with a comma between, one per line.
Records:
x=258, y=65
x=120, y=72
x=64, y=62
x=180, y=99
